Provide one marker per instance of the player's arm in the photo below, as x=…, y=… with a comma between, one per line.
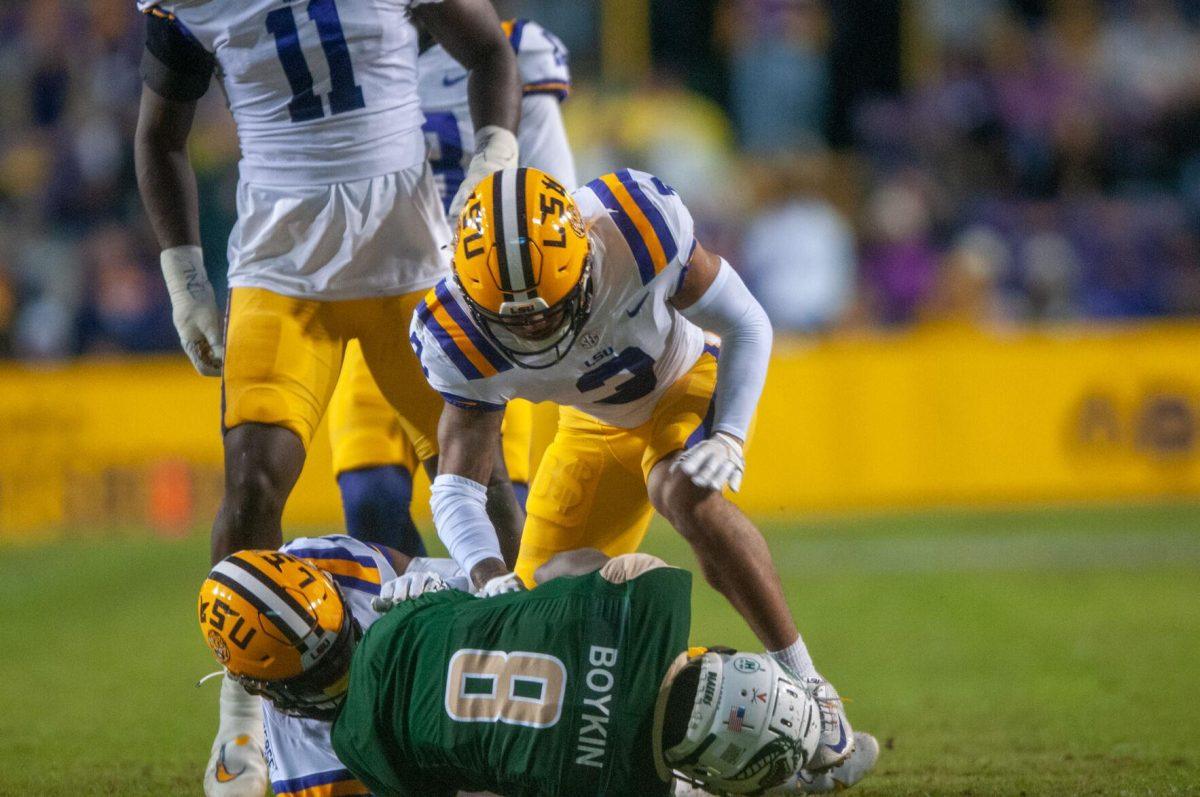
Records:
x=470, y=31
x=543, y=139
x=467, y=441
x=176, y=73
x=713, y=297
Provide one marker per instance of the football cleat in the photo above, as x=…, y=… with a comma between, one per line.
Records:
x=844, y=775
x=837, y=737
x=236, y=767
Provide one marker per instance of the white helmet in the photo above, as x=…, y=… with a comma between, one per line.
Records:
x=732, y=722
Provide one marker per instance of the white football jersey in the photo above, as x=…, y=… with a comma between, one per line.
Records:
x=299, y=755
x=322, y=92
x=449, y=132
x=632, y=348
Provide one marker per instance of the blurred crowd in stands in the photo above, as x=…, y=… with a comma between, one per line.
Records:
x=983, y=163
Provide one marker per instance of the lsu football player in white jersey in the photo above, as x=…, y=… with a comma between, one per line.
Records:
x=599, y=301
x=373, y=460
x=339, y=232
x=249, y=584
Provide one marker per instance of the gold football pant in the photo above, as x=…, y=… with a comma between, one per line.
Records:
x=283, y=356
x=365, y=431
x=590, y=489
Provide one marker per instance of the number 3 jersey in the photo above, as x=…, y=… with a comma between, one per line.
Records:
x=632, y=348
x=549, y=692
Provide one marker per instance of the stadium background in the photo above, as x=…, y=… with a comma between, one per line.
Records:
x=976, y=227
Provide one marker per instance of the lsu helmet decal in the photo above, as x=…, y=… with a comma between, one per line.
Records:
x=523, y=260
x=280, y=628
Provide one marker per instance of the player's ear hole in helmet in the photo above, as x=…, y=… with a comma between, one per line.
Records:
x=281, y=628
x=731, y=722
x=523, y=260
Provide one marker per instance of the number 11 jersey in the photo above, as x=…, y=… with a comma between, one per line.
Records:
x=322, y=91
x=634, y=344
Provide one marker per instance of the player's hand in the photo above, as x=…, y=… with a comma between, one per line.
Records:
x=714, y=463
x=501, y=585
x=406, y=587
x=194, y=308
x=495, y=149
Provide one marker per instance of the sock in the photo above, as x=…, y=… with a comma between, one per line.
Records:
x=795, y=659
x=241, y=712
x=521, y=491
x=377, y=504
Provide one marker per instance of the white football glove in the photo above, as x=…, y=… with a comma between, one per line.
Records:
x=406, y=587
x=714, y=463
x=501, y=585
x=495, y=149
x=194, y=308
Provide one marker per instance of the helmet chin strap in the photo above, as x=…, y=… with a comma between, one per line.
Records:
x=554, y=352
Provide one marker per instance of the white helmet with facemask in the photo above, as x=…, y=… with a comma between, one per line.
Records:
x=733, y=723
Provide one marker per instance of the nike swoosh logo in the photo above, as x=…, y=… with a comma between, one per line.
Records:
x=223, y=773
x=841, y=745
x=637, y=307
x=448, y=81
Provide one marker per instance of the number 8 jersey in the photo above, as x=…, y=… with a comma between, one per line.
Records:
x=548, y=692
x=634, y=344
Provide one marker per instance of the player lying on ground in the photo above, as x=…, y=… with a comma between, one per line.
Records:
x=373, y=459
x=599, y=300
x=339, y=232
x=581, y=686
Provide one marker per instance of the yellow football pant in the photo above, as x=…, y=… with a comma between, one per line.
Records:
x=365, y=431
x=283, y=356
x=590, y=489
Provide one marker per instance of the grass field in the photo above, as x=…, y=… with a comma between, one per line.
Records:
x=1041, y=652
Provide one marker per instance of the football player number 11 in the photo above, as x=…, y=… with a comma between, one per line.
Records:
x=344, y=94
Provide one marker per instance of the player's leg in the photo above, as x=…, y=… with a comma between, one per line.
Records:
x=515, y=436
x=732, y=552
x=281, y=364
x=373, y=460
x=281, y=361
x=587, y=493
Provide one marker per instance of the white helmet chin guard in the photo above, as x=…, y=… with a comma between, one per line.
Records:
x=751, y=726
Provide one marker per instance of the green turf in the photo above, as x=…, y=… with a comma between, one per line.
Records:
x=1041, y=652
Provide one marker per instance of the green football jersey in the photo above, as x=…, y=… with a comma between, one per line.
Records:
x=547, y=692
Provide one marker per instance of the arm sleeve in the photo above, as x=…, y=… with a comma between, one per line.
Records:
x=542, y=138
x=728, y=309
x=174, y=65
x=460, y=517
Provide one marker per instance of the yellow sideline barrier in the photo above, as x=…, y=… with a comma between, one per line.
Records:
x=915, y=419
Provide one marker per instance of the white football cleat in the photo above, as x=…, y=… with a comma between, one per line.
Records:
x=837, y=738
x=236, y=766
x=844, y=775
